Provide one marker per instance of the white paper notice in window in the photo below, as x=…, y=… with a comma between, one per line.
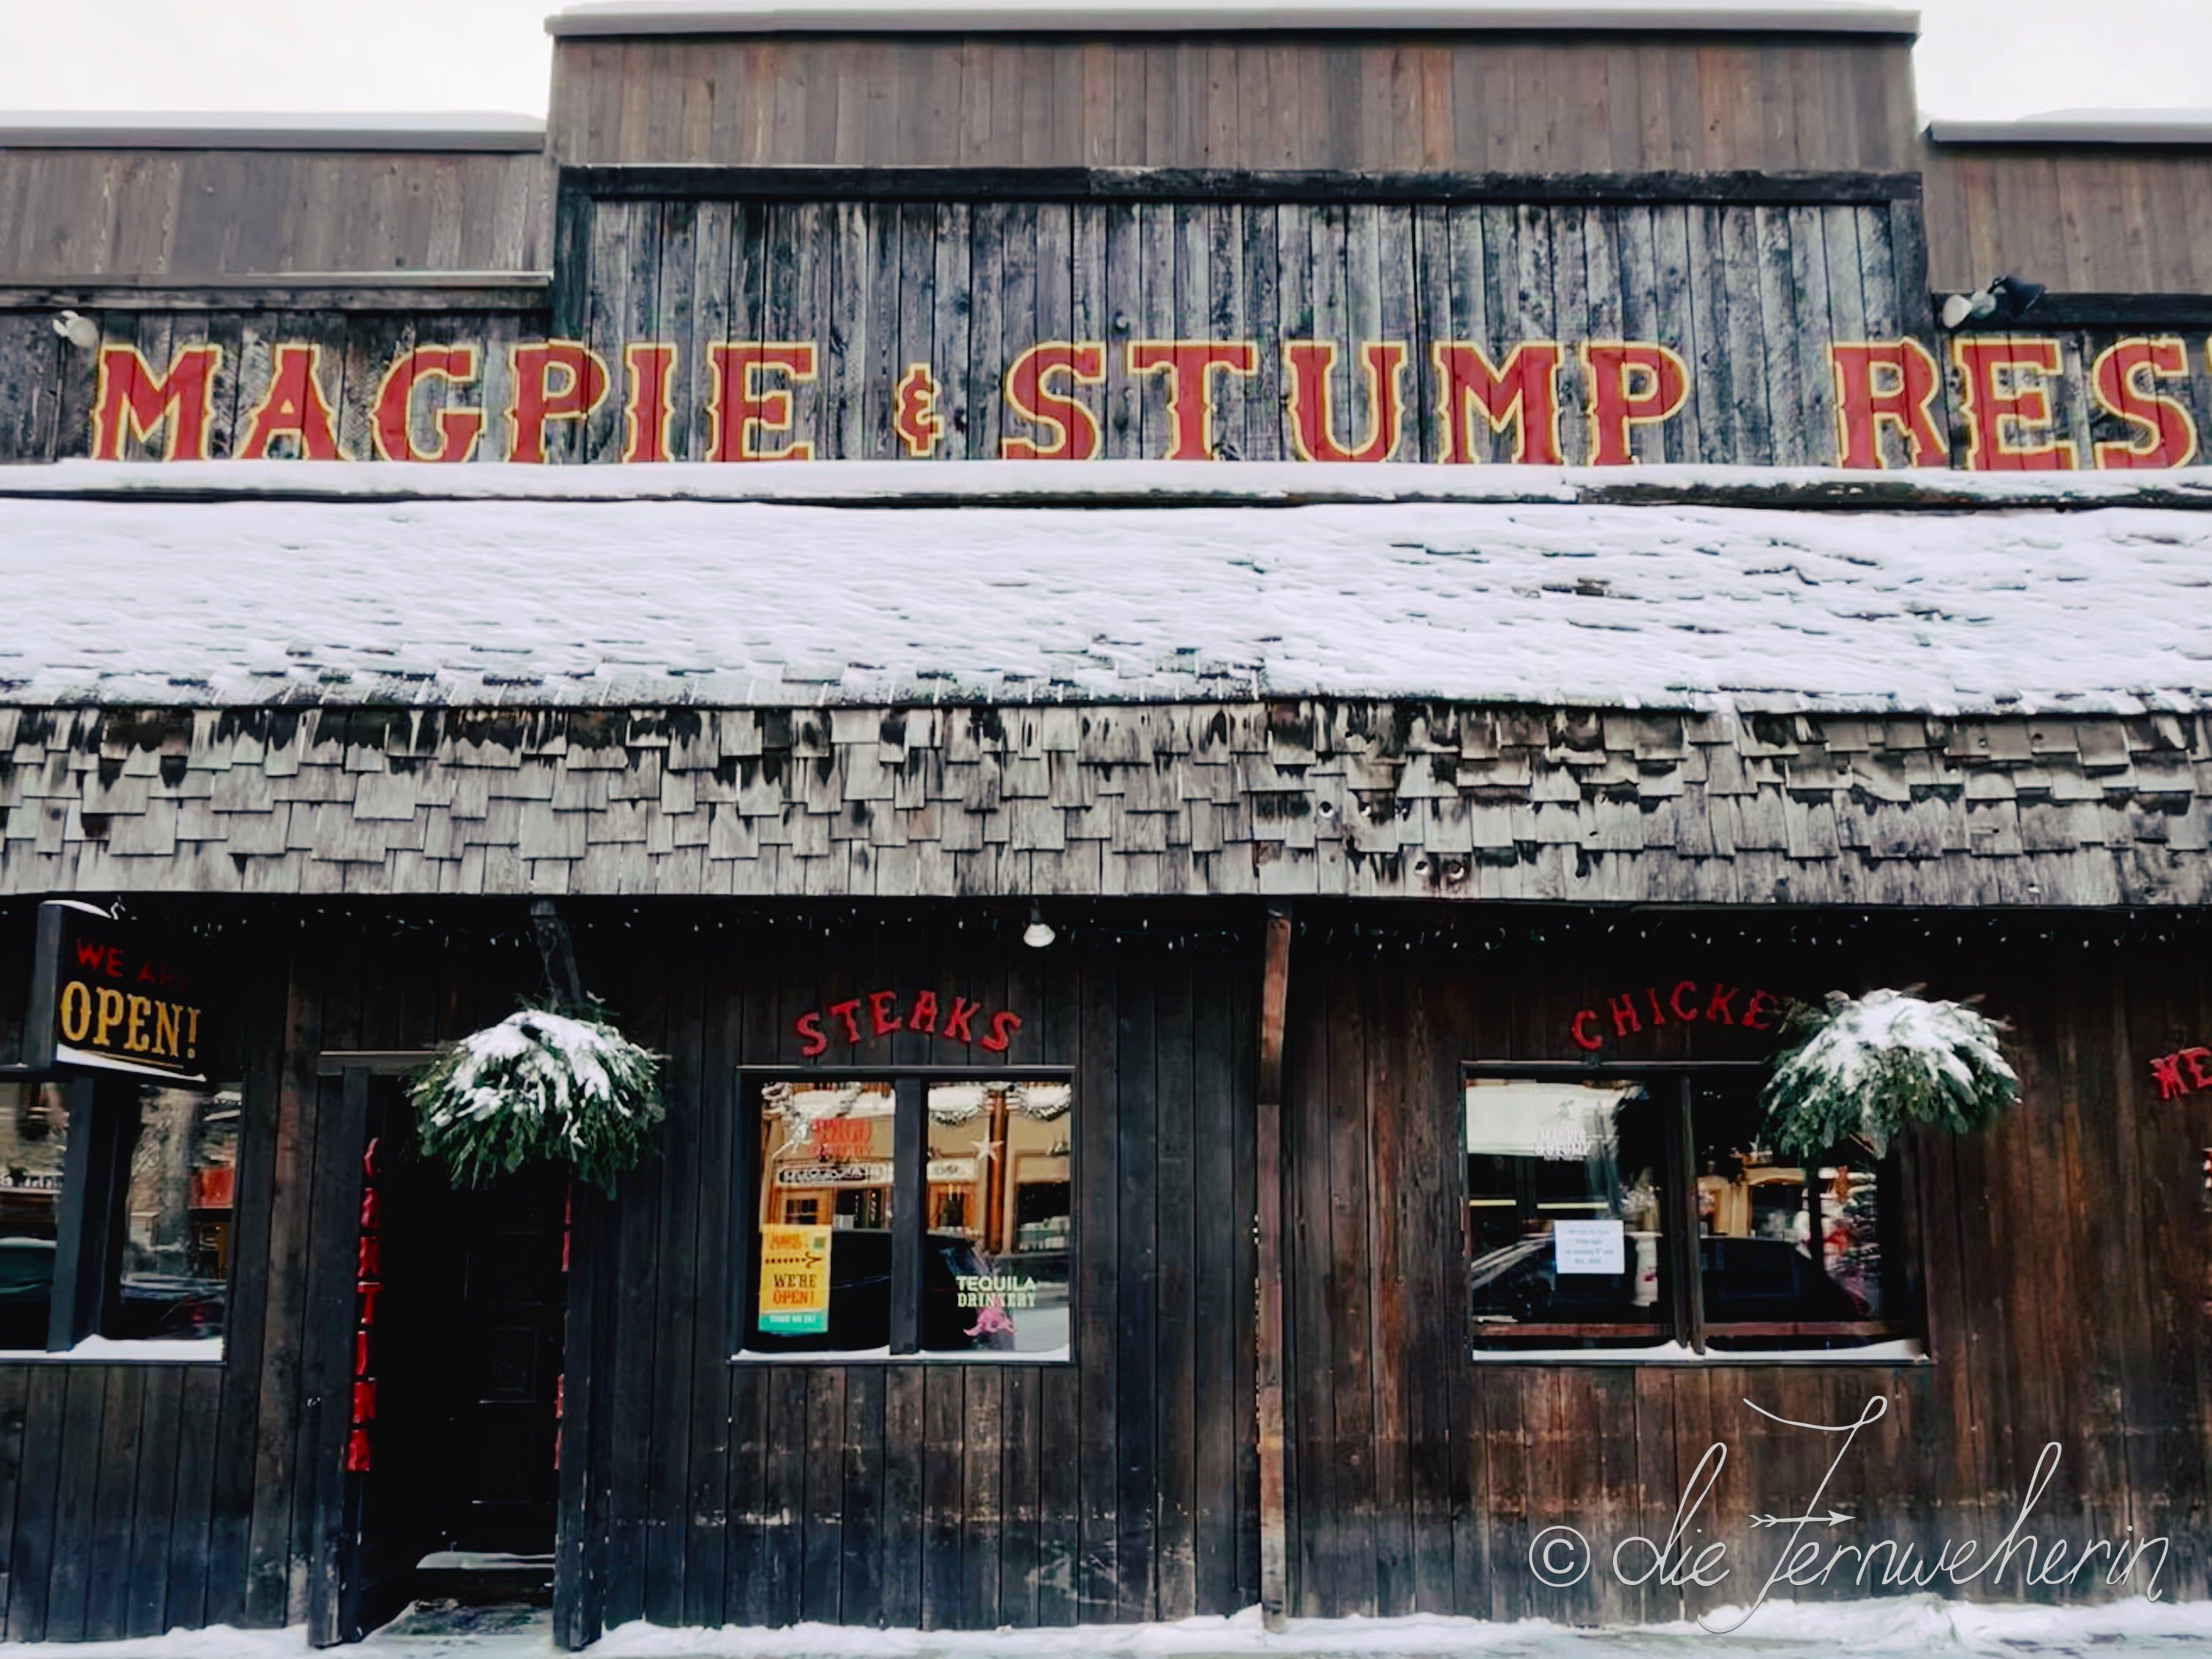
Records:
x=1588, y=1246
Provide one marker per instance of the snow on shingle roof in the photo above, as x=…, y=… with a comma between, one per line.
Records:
x=193, y=586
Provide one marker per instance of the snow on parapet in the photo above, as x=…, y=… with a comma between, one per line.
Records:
x=473, y=131
x=634, y=17
x=1536, y=597
x=2083, y=126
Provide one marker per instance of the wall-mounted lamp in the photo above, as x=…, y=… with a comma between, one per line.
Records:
x=1038, y=933
x=2005, y=301
x=78, y=330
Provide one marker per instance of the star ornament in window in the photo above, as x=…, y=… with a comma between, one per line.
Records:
x=986, y=1149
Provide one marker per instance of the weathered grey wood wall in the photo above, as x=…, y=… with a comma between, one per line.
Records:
x=1745, y=285
x=1474, y=102
x=71, y=215
x=47, y=386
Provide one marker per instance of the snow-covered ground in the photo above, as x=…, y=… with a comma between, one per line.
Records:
x=1779, y=1631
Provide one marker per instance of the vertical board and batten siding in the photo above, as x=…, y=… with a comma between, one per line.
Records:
x=48, y=386
x=1746, y=290
x=2099, y=218
x=2079, y=420
x=135, y=1498
x=1487, y=101
x=187, y=215
x=2062, y=1270
x=1119, y=1486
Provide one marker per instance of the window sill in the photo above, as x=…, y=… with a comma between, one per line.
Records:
x=1893, y=1354
x=885, y=1357
x=115, y=1350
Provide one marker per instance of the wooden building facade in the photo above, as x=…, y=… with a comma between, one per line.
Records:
x=1207, y=935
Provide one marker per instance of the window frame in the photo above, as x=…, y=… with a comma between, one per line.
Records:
x=1669, y=1087
x=910, y=1189
x=90, y=1214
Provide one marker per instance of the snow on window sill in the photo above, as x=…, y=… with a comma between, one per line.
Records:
x=118, y=1350
x=1903, y=1352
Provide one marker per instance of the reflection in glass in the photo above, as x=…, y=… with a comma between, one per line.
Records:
x=1784, y=1243
x=1000, y=1208
x=34, y=1135
x=178, y=1214
x=1562, y=1223
x=825, y=1214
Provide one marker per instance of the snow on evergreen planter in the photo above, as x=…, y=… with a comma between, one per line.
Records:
x=569, y=1088
x=1867, y=1067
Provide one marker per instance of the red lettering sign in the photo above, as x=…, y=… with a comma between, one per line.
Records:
x=1649, y=1008
x=2184, y=1072
x=949, y=1019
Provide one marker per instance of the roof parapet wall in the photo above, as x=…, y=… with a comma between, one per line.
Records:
x=473, y=132
x=626, y=17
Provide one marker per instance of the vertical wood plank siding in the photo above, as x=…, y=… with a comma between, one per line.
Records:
x=48, y=386
x=2085, y=218
x=78, y=213
x=2063, y=1290
x=2063, y=1296
x=1483, y=102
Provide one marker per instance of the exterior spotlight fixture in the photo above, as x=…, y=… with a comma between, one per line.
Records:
x=1038, y=933
x=2007, y=299
x=79, y=331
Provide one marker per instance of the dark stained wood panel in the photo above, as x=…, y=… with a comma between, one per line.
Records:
x=2054, y=1249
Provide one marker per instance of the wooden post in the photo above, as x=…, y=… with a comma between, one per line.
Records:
x=578, y=1562
x=1267, y=1371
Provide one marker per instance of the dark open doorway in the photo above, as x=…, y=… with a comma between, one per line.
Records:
x=458, y=1498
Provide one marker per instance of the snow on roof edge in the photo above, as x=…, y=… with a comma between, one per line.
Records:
x=2081, y=126
x=1114, y=484
x=469, y=130
x=213, y=602
x=629, y=17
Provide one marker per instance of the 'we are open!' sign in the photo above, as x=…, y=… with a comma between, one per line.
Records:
x=117, y=996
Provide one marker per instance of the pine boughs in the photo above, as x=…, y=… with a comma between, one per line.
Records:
x=1866, y=1067
x=566, y=1087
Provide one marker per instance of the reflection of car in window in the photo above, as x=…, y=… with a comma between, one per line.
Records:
x=1770, y=1278
x=1745, y=1280
x=168, y=1306
x=27, y=1285
x=861, y=1296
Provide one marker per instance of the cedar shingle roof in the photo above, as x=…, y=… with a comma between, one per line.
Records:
x=1530, y=686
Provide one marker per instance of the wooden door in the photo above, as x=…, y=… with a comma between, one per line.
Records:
x=504, y=1345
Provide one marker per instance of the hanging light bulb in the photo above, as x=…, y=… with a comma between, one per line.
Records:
x=1038, y=933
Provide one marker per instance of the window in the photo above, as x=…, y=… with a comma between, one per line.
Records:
x=1632, y=1216
x=923, y=1216
x=116, y=1204
x=177, y=1214
x=34, y=1143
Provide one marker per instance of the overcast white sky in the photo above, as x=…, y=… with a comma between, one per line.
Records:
x=1976, y=57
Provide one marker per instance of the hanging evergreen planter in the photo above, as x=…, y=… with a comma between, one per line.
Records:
x=568, y=1088
x=1865, y=1068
